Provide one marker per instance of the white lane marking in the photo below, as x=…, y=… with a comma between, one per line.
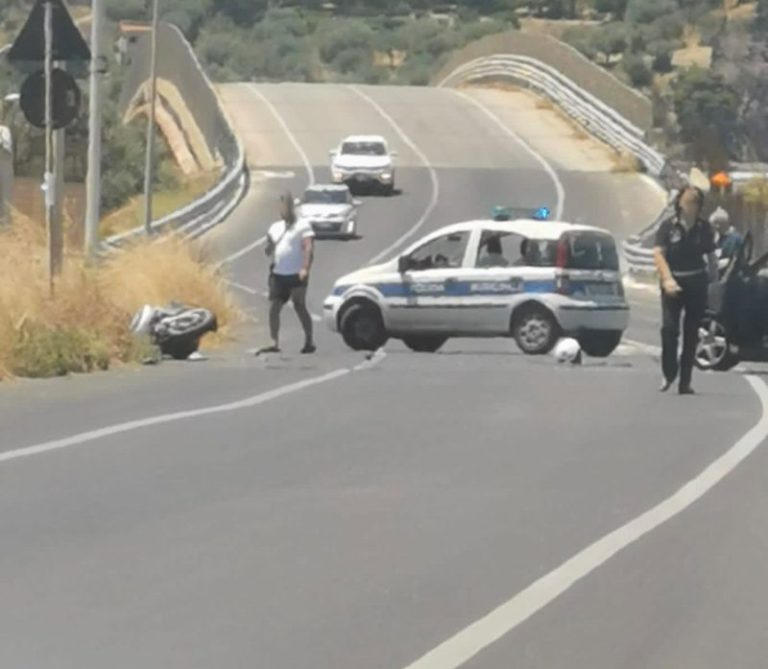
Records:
x=129, y=426
x=650, y=349
x=247, y=403
x=527, y=147
x=288, y=132
x=479, y=635
x=302, y=155
x=241, y=286
x=252, y=291
x=423, y=158
x=374, y=359
x=243, y=251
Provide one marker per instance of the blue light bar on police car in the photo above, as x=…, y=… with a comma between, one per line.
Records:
x=501, y=213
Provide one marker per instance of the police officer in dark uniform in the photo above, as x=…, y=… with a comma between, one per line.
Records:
x=685, y=259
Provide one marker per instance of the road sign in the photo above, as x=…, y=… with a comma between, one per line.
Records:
x=68, y=42
x=65, y=93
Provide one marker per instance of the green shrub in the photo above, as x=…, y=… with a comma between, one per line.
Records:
x=638, y=72
x=43, y=352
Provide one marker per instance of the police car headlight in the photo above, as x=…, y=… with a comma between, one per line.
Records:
x=386, y=176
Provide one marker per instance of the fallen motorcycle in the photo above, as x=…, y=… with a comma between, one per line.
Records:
x=175, y=329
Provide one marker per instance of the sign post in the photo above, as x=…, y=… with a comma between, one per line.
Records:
x=49, y=35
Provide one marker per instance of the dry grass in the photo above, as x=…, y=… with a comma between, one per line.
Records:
x=626, y=163
x=86, y=325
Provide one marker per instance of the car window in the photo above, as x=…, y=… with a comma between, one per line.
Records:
x=363, y=148
x=498, y=249
x=506, y=249
x=325, y=197
x=445, y=251
x=591, y=250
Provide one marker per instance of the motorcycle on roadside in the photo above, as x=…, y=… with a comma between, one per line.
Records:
x=176, y=329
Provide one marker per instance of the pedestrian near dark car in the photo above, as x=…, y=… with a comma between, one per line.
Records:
x=685, y=258
x=290, y=247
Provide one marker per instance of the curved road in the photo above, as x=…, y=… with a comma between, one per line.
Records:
x=472, y=508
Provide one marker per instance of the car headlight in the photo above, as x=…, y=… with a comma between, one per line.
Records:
x=386, y=175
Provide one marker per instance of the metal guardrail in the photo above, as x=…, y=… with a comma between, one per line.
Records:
x=595, y=116
x=583, y=107
x=214, y=206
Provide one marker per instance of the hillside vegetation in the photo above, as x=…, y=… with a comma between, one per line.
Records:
x=363, y=41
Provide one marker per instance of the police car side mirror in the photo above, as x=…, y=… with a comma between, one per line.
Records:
x=357, y=202
x=403, y=264
x=333, y=153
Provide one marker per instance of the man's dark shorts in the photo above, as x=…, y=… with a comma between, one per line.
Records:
x=282, y=285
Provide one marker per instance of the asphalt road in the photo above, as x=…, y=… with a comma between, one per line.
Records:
x=473, y=508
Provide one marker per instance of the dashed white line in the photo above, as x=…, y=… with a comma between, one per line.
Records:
x=423, y=158
x=470, y=641
x=559, y=207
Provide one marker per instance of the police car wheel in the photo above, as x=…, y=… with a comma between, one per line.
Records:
x=362, y=327
x=713, y=348
x=424, y=343
x=535, y=330
x=600, y=343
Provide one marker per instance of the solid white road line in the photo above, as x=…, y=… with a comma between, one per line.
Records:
x=302, y=155
x=479, y=635
x=527, y=147
x=247, y=403
x=129, y=426
x=241, y=286
x=423, y=158
x=288, y=132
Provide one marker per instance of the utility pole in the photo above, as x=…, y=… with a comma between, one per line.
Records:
x=93, y=179
x=49, y=182
x=149, y=161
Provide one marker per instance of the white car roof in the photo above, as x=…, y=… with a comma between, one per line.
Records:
x=521, y=226
x=327, y=187
x=365, y=138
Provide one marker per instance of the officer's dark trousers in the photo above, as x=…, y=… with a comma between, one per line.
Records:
x=691, y=303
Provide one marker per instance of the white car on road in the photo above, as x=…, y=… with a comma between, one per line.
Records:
x=530, y=279
x=364, y=160
x=330, y=209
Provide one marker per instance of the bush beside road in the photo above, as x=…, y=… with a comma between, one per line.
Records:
x=86, y=327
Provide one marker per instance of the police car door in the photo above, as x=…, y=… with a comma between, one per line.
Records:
x=493, y=280
x=431, y=285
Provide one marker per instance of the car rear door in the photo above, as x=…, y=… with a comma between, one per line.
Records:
x=495, y=278
x=591, y=267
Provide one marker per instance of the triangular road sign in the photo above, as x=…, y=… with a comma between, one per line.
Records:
x=68, y=42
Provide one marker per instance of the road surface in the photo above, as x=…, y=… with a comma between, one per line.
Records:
x=474, y=508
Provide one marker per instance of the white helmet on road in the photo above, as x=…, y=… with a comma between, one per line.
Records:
x=568, y=350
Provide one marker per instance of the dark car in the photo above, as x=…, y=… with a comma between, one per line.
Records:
x=736, y=325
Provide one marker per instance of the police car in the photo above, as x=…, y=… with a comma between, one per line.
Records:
x=534, y=280
x=330, y=209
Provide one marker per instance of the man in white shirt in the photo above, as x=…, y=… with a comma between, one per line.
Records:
x=290, y=246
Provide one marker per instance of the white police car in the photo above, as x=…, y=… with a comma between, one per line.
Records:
x=530, y=279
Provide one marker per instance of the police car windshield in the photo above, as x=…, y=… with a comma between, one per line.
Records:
x=363, y=149
x=591, y=250
x=325, y=197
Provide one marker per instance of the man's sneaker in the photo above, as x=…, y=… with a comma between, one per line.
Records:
x=268, y=349
x=665, y=385
x=309, y=348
